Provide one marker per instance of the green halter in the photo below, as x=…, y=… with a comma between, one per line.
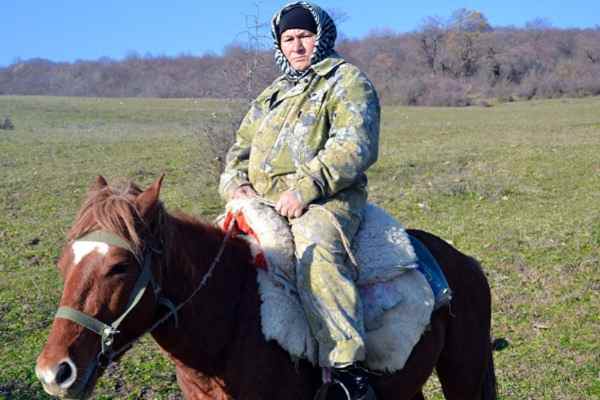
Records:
x=107, y=332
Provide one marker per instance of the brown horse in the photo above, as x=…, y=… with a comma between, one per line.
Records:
x=216, y=341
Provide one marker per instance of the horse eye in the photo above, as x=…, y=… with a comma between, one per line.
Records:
x=117, y=269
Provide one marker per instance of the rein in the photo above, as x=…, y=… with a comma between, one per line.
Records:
x=108, y=332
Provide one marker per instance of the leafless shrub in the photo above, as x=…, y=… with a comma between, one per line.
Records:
x=529, y=86
x=579, y=79
x=541, y=85
x=7, y=124
x=410, y=92
x=447, y=92
x=567, y=79
x=435, y=91
x=216, y=135
x=503, y=92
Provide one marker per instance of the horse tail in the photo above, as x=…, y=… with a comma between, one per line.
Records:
x=489, y=389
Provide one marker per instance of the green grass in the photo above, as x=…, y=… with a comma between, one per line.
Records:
x=516, y=185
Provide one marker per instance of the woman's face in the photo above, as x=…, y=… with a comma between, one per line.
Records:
x=297, y=46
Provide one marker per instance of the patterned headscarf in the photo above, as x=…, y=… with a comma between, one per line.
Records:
x=325, y=40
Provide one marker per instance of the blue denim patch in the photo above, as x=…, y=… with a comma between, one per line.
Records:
x=432, y=271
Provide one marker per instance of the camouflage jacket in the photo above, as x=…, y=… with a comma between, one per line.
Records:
x=317, y=136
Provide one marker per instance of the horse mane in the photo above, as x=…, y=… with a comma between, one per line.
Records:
x=112, y=209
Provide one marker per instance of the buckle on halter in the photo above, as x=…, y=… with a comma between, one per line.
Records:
x=108, y=337
x=109, y=332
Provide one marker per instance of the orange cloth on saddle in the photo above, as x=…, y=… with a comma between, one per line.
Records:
x=239, y=226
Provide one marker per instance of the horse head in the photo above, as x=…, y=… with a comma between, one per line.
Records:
x=106, y=265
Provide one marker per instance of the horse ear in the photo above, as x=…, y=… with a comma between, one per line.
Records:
x=148, y=199
x=99, y=184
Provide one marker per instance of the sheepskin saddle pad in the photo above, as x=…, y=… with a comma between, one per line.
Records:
x=397, y=299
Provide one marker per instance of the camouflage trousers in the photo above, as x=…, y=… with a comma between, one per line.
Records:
x=325, y=281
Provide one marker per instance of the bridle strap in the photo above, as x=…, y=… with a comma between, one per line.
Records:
x=174, y=309
x=85, y=320
x=105, y=331
x=108, y=238
x=138, y=290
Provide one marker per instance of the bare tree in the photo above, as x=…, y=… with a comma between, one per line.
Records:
x=588, y=45
x=216, y=136
x=430, y=38
x=463, y=50
x=464, y=20
x=256, y=39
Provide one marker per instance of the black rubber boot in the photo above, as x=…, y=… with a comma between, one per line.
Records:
x=352, y=384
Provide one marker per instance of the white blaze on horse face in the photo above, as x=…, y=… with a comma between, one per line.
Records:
x=82, y=248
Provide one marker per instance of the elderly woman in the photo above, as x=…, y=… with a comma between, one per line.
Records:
x=308, y=139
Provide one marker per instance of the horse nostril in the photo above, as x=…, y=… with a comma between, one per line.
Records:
x=63, y=373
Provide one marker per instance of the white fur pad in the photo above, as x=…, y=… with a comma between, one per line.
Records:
x=397, y=299
x=390, y=337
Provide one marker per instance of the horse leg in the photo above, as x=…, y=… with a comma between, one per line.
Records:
x=465, y=366
x=467, y=382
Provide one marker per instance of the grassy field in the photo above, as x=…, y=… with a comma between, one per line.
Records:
x=516, y=185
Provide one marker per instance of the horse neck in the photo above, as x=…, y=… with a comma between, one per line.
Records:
x=208, y=322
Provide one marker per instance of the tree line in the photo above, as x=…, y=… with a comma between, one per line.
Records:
x=459, y=61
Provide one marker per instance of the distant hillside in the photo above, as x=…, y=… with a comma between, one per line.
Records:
x=459, y=62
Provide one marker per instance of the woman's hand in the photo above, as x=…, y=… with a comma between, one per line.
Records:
x=290, y=204
x=244, y=191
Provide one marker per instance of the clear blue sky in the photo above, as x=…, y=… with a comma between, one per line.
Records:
x=67, y=30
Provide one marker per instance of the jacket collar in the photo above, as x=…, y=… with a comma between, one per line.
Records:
x=324, y=67
x=321, y=68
